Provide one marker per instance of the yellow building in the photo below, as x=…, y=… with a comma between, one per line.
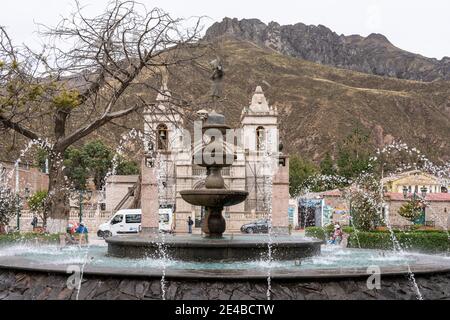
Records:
x=414, y=181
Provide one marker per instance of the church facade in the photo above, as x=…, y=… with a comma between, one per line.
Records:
x=259, y=167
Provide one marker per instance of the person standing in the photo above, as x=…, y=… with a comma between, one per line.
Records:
x=34, y=222
x=190, y=222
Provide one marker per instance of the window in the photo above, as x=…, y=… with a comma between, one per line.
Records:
x=117, y=219
x=260, y=138
x=133, y=218
x=162, y=136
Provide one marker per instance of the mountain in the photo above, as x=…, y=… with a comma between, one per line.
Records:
x=373, y=54
x=320, y=105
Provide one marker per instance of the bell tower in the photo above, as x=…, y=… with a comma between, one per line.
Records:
x=267, y=178
x=163, y=134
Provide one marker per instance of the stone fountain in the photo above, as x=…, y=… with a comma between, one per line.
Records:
x=214, y=196
x=214, y=154
x=214, y=246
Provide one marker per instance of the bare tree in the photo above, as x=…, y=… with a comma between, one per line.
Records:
x=98, y=78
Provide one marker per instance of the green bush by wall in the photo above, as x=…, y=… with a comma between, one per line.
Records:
x=421, y=241
x=427, y=241
x=29, y=237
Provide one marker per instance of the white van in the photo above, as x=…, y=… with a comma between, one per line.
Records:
x=128, y=221
x=124, y=221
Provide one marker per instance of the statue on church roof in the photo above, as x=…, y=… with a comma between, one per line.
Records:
x=216, y=77
x=163, y=93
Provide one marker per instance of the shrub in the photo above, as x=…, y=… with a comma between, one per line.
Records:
x=28, y=237
x=316, y=232
x=9, y=206
x=348, y=229
x=422, y=240
x=323, y=233
x=412, y=209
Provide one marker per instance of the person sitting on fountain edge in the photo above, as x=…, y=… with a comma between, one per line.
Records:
x=82, y=232
x=337, y=234
x=190, y=222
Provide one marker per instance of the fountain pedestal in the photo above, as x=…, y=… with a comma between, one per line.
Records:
x=214, y=224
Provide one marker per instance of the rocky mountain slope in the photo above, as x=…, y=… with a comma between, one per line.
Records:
x=373, y=54
x=318, y=105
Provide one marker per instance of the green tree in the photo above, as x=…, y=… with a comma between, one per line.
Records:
x=76, y=168
x=365, y=202
x=354, y=155
x=98, y=158
x=9, y=205
x=327, y=166
x=126, y=167
x=299, y=172
x=412, y=209
x=94, y=160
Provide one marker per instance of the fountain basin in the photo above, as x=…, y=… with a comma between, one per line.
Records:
x=214, y=197
x=42, y=272
x=198, y=248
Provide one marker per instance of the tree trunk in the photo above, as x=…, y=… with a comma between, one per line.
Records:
x=58, y=199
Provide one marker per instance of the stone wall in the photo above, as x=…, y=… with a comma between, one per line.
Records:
x=116, y=188
x=16, y=285
x=30, y=178
x=436, y=212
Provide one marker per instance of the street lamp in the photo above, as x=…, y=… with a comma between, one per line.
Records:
x=81, y=194
x=18, y=211
x=424, y=190
x=405, y=192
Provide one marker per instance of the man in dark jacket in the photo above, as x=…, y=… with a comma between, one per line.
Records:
x=190, y=222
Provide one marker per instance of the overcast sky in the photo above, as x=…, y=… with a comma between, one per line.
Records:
x=415, y=25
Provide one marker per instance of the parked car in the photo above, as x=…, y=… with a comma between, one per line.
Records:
x=260, y=226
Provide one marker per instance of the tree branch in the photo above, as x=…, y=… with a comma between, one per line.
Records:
x=18, y=128
x=82, y=132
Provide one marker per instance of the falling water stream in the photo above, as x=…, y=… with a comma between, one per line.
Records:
x=269, y=167
x=132, y=134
